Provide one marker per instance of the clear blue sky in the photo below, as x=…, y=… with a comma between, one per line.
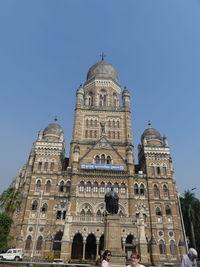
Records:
x=47, y=47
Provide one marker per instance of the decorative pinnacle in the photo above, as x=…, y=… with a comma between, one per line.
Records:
x=149, y=124
x=102, y=55
x=56, y=118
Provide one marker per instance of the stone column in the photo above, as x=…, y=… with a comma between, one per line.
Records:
x=97, y=249
x=66, y=243
x=153, y=252
x=84, y=243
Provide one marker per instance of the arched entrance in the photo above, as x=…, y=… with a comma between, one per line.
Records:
x=77, y=247
x=90, y=247
x=57, y=242
x=130, y=246
x=101, y=245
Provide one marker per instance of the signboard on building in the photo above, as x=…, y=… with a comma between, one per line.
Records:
x=102, y=167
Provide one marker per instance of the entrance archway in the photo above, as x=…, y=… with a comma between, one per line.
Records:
x=57, y=242
x=77, y=247
x=130, y=246
x=90, y=247
x=101, y=245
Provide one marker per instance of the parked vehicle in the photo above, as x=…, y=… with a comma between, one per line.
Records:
x=12, y=254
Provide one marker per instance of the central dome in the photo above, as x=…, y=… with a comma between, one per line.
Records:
x=102, y=70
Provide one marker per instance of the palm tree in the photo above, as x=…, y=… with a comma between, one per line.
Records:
x=190, y=206
x=10, y=200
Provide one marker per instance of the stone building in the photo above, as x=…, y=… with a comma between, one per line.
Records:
x=63, y=210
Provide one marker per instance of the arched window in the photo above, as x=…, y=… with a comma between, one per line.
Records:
x=103, y=159
x=162, y=247
x=97, y=159
x=136, y=189
x=91, y=123
x=90, y=99
x=68, y=187
x=118, y=135
x=142, y=190
x=113, y=135
x=95, y=187
x=34, y=205
x=116, y=188
x=39, y=243
x=102, y=98
x=108, y=160
x=102, y=187
x=39, y=165
x=86, y=134
x=44, y=208
x=156, y=191
x=164, y=171
x=52, y=166
x=82, y=212
x=81, y=186
x=109, y=185
x=168, y=210
x=158, y=211
x=89, y=213
x=88, y=187
x=61, y=186
x=38, y=185
x=95, y=134
x=165, y=191
x=90, y=134
x=87, y=123
x=48, y=186
x=109, y=134
x=58, y=214
x=28, y=243
x=117, y=124
x=113, y=124
x=123, y=188
x=95, y=123
x=152, y=171
x=173, y=248
x=45, y=165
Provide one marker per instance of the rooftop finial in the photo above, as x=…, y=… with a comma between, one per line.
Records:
x=149, y=124
x=56, y=118
x=102, y=55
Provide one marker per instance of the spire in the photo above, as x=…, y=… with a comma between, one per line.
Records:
x=149, y=124
x=102, y=55
x=56, y=118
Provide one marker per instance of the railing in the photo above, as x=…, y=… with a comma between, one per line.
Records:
x=34, y=263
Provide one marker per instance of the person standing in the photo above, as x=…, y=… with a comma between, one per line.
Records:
x=135, y=260
x=189, y=260
x=106, y=258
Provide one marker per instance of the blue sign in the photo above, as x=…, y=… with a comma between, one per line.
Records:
x=102, y=167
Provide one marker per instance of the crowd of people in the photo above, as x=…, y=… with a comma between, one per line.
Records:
x=188, y=260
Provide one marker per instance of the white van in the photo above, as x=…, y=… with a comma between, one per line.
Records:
x=12, y=254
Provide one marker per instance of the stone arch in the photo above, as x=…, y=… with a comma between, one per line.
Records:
x=77, y=246
x=90, y=247
x=86, y=206
x=28, y=243
x=57, y=241
x=101, y=244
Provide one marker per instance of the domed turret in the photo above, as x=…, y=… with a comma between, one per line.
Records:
x=102, y=70
x=53, y=131
x=151, y=136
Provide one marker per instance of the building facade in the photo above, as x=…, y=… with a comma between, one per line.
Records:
x=63, y=209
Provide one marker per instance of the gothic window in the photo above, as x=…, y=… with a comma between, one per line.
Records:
x=95, y=187
x=39, y=243
x=86, y=134
x=95, y=123
x=95, y=134
x=82, y=212
x=88, y=187
x=102, y=187
x=44, y=208
x=48, y=186
x=168, y=210
x=156, y=191
x=152, y=170
x=90, y=99
x=113, y=123
x=28, y=243
x=39, y=165
x=89, y=213
x=38, y=185
x=113, y=135
x=118, y=135
x=162, y=247
x=34, y=205
x=61, y=186
x=58, y=214
x=81, y=187
x=97, y=159
x=117, y=124
x=64, y=214
x=98, y=213
x=68, y=186
x=165, y=191
x=87, y=123
x=108, y=160
x=91, y=123
x=173, y=249
x=103, y=159
x=142, y=190
x=90, y=134
x=115, y=99
x=45, y=165
x=109, y=134
x=158, y=170
x=52, y=166
x=116, y=188
x=136, y=189
x=123, y=188
x=109, y=185
x=158, y=211
x=164, y=171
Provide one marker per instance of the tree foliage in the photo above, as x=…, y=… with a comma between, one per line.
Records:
x=10, y=200
x=190, y=206
x=5, y=224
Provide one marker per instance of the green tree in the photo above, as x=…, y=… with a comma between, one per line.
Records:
x=5, y=224
x=190, y=207
x=10, y=200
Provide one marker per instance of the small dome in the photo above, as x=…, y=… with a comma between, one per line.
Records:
x=104, y=70
x=151, y=134
x=53, y=129
x=80, y=90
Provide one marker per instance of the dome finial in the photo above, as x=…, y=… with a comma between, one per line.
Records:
x=149, y=124
x=102, y=55
x=56, y=118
